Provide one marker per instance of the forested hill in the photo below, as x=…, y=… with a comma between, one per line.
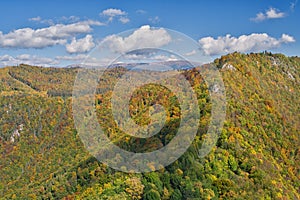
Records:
x=257, y=155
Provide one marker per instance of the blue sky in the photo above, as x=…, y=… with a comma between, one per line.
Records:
x=58, y=33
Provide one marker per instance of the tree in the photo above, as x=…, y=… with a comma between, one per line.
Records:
x=152, y=195
x=176, y=195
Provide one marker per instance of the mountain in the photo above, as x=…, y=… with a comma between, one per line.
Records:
x=165, y=65
x=257, y=155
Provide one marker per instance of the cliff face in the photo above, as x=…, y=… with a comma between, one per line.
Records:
x=257, y=155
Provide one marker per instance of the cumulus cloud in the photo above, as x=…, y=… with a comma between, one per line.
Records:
x=45, y=37
x=81, y=45
x=144, y=37
x=112, y=13
x=287, y=38
x=272, y=13
x=244, y=43
x=7, y=60
x=29, y=38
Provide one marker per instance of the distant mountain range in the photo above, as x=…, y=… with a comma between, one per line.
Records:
x=166, y=65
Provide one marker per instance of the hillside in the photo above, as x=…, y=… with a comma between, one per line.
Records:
x=256, y=157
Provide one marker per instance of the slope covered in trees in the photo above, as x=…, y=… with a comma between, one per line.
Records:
x=257, y=155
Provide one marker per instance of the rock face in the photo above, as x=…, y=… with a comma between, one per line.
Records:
x=290, y=76
x=16, y=134
x=228, y=66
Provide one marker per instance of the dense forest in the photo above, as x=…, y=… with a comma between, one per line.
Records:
x=257, y=155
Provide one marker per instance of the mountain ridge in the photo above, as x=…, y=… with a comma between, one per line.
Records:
x=257, y=155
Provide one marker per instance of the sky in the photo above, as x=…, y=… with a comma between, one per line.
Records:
x=61, y=33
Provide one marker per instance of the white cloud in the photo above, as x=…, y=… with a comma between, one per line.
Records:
x=24, y=57
x=70, y=19
x=244, y=43
x=29, y=38
x=78, y=57
x=45, y=37
x=141, y=11
x=190, y=53
x=112, y=13
x=272, y=13
x=47, y=21
x=91, y=22
x=7, y=60
x=144, y=37
x=35, y=19
x=81, y=45
x=59, y=20
x=154, y=20
x=165, y=58
x=287, y=39
x=140, y=55
x=124, y=20
x=259, y=17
